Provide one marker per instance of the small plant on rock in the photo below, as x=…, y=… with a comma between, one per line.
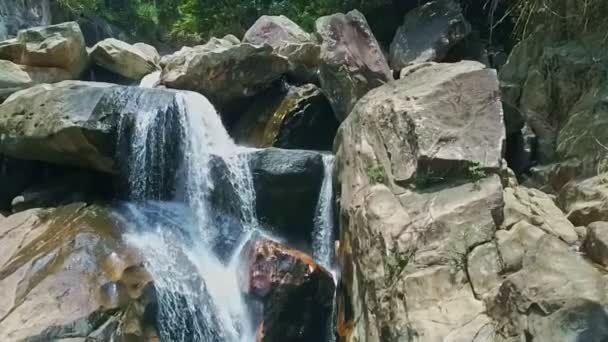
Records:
x=376, y=173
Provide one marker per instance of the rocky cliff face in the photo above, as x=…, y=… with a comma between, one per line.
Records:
x=18, y=14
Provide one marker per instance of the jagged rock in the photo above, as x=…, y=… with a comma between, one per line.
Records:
x=405, y=162
x=56, y=46
x=484, y=267
x=551, y=276
x=352, y=62
x=14, y=77
x=288, y=117
x=76, y=123
x=558, y=86
x=585, y=201
x=445, y=138
x=596, y=243
x=578, y=320
x=287, y=184
x=18, y=14
x=551, y=178
x=296, y=292
x=223, y=70
x=124, y=59
x=513, y=244
x=288, y=40
x=427, y=34
x=69, y=264
x=537, y=208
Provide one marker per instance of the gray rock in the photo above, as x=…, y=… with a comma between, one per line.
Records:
x=551, y=276
x=352, y=62
x=513, y=244
x=223, y=70
x=288, y=40
x=14, y=77
x=538, y=209
x=287, y=184
x=75, y=123
x=596, y=243
x=585, y=201
x=18, y=14
x=579, y=320
x=124, y=59
x=484, y=268
x=427, y=34
x=56, y=46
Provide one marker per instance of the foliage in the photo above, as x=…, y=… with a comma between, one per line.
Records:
x=476, y=172
x=376, y=173
x=426, y=180
x=193, y=21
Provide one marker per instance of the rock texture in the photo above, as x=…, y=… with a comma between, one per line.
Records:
x=18, y=14
x=223, y=69
x=130, y=61
x=75, y=123
x=56, y=46
x=288, y=117
x=14, y=77
x=585, y=201
x=352, y=62
x=427, y=34
x=404, y=162
x=288, y=40
x=65, y=274
x=283, y=280
x=287, y=184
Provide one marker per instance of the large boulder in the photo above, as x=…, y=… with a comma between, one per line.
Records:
x=76, y=123
x=449, y=133
x=537, y=208
x=596, y=243
x=14, y=77
x=288, y=117
x=427, y=34
x=585, y=201
x=70, y=264
x=296, y=293
x=223, y=69
x=56, y=46
x=19, y=14
x=287, y=185
x=415, y=162
x=124, y=59
x=352, y=62
x=552, y=275
x=288, y=40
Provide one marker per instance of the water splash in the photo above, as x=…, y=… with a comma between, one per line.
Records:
x=151, y=80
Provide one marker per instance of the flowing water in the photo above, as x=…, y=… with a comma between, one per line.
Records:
x=190, y=208
x=171, y=150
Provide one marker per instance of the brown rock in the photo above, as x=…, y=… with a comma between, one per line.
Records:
x=296, y=293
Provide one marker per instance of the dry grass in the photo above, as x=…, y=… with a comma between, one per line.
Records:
x=572, y=17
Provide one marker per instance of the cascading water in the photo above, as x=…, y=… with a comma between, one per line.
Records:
x=171, y=148
x=323, y=231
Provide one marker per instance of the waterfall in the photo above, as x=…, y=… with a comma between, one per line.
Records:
x=171, y=148
x=323, y=230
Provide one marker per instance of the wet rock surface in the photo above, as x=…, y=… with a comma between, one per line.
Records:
x=284, y=279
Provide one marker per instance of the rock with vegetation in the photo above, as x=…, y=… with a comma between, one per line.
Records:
x=287, y=184
x=427, y=34
x=406, y=156
x=67, y=274
x=296, y=293
x=127, y=60
x=288, y=117
x=352, y=62
x=57, y=46
x=288, y=40
x=223, y=70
